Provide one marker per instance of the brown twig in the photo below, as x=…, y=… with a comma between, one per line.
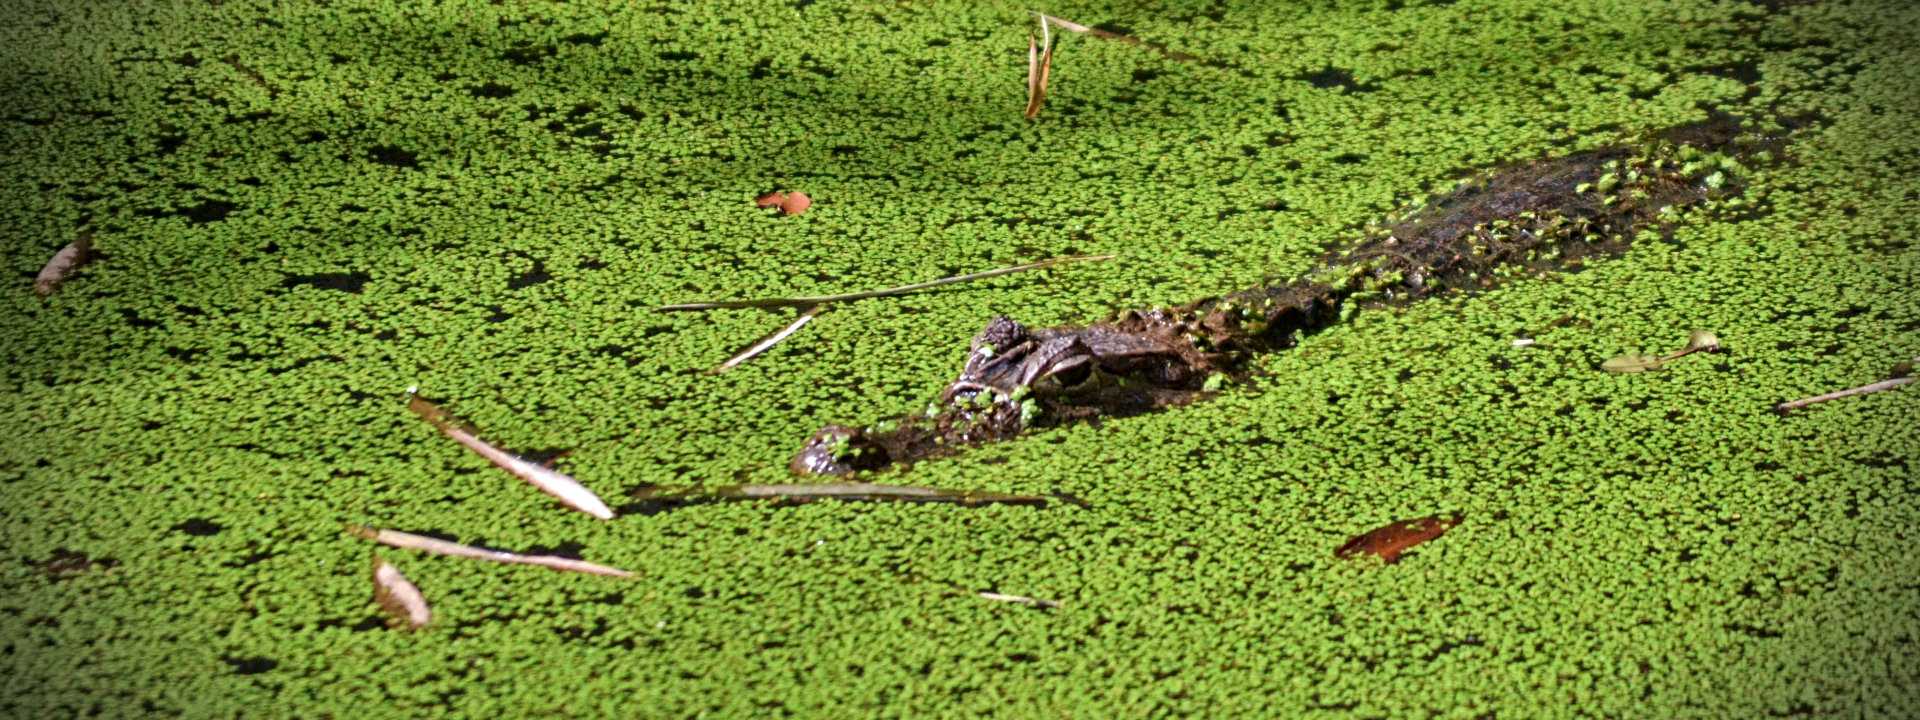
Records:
x=1888, y=384
x=805, y=301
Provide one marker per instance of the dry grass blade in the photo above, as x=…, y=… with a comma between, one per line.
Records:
x=1039, y=66
x=399, y=596
x=63, y=263
x=1017, y=599
x=806, y=315
x=805, y=301
x=410, y=541
x=1074, y=27
x=569, y=491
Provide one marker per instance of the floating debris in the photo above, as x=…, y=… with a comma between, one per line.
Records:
x=569, y=491
x=808, y=492
x=1018, y=599
x=63, y=263
x=410, y=541
x=399, y=596
x=1389, y=541
x=1075, y=27
x=806, y=315
x=1697, y=341
x=1902, y=375
x=792, y=203
x=1039, y=67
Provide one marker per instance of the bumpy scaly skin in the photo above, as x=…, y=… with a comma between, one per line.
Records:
x=1535, y=217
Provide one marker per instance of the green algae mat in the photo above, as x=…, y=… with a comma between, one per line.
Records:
x=300, y=210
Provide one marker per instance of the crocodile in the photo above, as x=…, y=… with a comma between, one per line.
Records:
x=1526, y=219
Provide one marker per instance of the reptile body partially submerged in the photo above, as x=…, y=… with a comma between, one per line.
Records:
x=1534, y=217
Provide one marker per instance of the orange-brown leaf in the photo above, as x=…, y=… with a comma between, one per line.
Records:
x=1389, y=541
x=796, y=203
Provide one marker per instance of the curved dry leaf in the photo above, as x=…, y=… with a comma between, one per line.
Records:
x=1388, y=541
x=1039, y=66
x=552, y=482
x=399, y=596
x=62, y=264
x=1631, y=363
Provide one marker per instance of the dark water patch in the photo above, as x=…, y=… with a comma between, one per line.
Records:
x=65, y=563
x=525, y=54
x=568, y=549
x=349, y=282
x=1331, y=77
x=1753, y=631
x=493, y=90
x=535, y=275
x=199, y=527
x=205, y=212
x=252, y=665
x=394, y=156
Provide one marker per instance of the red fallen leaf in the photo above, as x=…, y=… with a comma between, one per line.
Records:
x=1396, y=537
x=772, y=199
x=796, y=203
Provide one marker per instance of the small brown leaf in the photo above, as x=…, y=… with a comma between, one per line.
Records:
x=1389, y=541
x=1631, y=363
x=772, y=199
x=63, y=263
x=399, y=596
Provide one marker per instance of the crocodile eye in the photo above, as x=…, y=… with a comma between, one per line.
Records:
x=1075, y=376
